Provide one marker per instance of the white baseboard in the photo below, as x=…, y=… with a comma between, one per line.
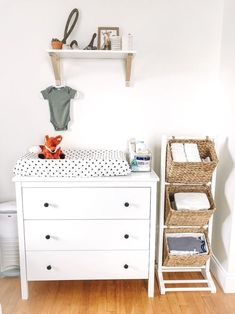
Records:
x=225, y=279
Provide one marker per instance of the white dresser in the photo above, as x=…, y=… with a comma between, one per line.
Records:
x=88, y=228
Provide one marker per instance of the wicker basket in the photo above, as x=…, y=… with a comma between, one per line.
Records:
x=191, y=172
x=175, y=217
x=185, y=260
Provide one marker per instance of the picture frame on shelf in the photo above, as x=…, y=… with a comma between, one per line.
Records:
x=104, y=36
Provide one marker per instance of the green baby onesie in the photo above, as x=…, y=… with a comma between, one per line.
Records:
x=59, y=104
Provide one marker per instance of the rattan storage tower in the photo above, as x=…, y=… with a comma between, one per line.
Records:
x=186, y=177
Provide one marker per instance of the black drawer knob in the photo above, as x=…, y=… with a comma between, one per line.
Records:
x=126, y=236
x=46, y=204
x=47, y=236
x=125, y=266
x=126, y=204
x=49, y=267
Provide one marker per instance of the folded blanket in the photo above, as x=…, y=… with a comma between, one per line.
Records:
x=186, y=244
x=192, y=152
x=173, y=252
x=187, y=152
x=191, y=201
x=178, y=153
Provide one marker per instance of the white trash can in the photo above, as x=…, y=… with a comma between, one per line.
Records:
x=9, y=244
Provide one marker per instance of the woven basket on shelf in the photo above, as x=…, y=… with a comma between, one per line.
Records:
x=191, y=172
x=185, y=260
x=195, y=217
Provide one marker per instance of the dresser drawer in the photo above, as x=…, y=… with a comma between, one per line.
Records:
x=87, y=234
x=86, y=203
x=67, y=265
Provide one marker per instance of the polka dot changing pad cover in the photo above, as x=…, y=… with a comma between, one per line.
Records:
x=77, y=163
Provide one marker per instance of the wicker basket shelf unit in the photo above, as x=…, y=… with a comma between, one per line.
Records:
x=195, y=217
x=186, y=177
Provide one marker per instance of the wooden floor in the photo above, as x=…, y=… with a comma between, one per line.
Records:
x=111, y=297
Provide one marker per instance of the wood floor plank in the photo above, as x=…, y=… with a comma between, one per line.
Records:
x=110, y=297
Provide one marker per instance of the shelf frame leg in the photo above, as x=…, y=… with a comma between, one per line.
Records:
x=55, y=60
x=207, y=275
x=128, y=68
x=161, y=284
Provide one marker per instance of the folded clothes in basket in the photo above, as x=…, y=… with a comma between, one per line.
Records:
x=187, y=152
x=192, y=152
x=186, y=245
x=178, y=152
x=191, y=201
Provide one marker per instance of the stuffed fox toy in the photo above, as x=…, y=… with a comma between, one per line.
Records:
x=50, y=149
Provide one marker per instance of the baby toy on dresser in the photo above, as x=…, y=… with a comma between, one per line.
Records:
x=50, y=149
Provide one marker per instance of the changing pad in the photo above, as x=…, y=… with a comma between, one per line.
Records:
x=77, y=163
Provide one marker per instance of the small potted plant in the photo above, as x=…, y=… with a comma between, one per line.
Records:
x=56, y=43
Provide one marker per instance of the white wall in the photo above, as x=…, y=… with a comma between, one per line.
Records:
x=178, y=86
x=174, y=77
x=224, y=233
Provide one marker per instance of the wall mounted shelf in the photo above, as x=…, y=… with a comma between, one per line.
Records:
x=57, y=54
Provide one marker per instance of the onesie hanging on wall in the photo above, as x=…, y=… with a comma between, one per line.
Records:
x=59, y=104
